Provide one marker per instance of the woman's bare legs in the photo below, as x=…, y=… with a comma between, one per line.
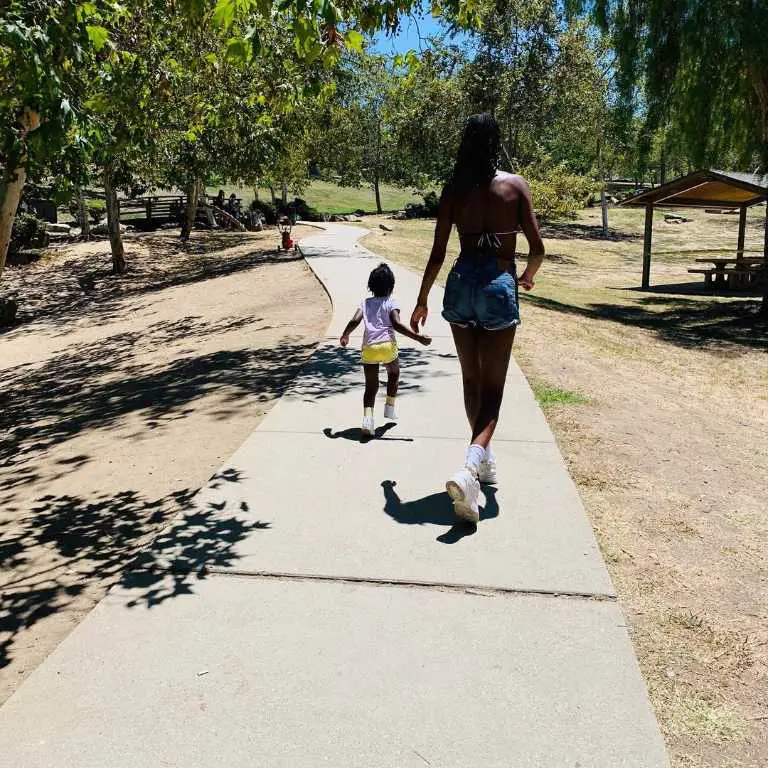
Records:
x=484, y=359
x=466, y=340
x=494, y=350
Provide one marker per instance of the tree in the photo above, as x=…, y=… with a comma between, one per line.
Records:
x=52, y=52
x=701, y=67
x=43, y=46
x=127, y=105
x=429, y=109
x=360, y=143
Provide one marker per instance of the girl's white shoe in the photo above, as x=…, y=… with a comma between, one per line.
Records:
x=367, y=429
x=389, y=412
x=464, y=490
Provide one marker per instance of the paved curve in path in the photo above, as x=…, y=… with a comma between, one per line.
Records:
x=316, y=605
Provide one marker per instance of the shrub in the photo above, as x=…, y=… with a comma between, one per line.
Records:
x=557, y=193
x=431, y=204
x=267, y=210
x=28, y=232
x=426, y=210
x=97, y=209
x=300, y=209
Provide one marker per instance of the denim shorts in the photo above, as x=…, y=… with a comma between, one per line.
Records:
x=481, y=293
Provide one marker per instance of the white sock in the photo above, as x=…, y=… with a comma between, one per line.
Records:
x=475, y=454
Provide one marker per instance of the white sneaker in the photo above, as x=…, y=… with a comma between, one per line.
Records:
x=389, y=412
x=367, y=429
x=487, y=471
x=464, y=490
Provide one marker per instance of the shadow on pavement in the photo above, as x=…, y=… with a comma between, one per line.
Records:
x=436, y=509
x=355, y=434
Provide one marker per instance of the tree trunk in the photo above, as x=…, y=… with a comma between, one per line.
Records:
x=190, y=213
x=601, y=173
x=285, y=192
x=376, y=189
x=119, y=265
x=13, y=184
x=82, y=214
x=206, y=205
x=256, y=192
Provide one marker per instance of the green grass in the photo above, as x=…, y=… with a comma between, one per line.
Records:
x=328, y=197
x=551, y=396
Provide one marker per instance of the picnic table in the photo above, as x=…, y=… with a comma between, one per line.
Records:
x=733, y=273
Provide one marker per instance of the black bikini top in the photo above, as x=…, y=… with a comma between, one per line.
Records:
x=489, y=240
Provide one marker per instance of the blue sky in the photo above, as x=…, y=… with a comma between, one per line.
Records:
x=407, y=38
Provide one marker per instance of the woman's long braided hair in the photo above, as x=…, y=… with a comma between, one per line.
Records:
x=478, y=157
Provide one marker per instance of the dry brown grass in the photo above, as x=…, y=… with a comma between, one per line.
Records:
x=670, y=452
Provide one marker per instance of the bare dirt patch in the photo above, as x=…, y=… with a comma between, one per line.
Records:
x=660, y=406
x=121, y=397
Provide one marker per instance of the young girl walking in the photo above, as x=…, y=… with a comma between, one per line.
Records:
x=380, y=315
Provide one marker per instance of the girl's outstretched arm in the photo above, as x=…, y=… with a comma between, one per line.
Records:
x=422, y=338
x=436, y=259
x=351, y=325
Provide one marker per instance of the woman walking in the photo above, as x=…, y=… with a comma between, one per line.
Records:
x=489, y=208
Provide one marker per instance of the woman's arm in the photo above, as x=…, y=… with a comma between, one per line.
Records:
x=351, y=325
x=532, y=234
x=436, y=259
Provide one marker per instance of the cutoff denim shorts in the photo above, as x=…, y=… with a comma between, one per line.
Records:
x=481, y=293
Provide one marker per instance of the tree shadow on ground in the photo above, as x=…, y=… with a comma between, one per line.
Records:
x=83, y=547
x=83, y=285
x=691, y=323
x=332, y=370
x=436, y=509
x=95, y=385
x=571, y=230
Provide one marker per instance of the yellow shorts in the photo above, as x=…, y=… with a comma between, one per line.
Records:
x=386, y=352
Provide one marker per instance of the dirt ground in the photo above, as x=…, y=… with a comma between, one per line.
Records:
x=120, y=398
x=659, y=401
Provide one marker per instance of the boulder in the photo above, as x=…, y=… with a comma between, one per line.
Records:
x=63, y=229
x=103, y=229
x=385, y=227
x=671, y=218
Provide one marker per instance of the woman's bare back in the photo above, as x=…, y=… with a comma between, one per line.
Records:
x=502, y=209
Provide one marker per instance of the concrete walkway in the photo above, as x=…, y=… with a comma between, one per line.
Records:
x=317, y=606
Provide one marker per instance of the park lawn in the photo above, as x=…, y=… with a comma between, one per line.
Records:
x=659, y=401
x=328, y=197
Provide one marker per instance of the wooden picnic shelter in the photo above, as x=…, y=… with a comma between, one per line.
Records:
x=713, y=190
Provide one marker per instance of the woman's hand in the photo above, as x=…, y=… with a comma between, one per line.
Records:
x=344, y=340
x=419, y=317
x=525, y=281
